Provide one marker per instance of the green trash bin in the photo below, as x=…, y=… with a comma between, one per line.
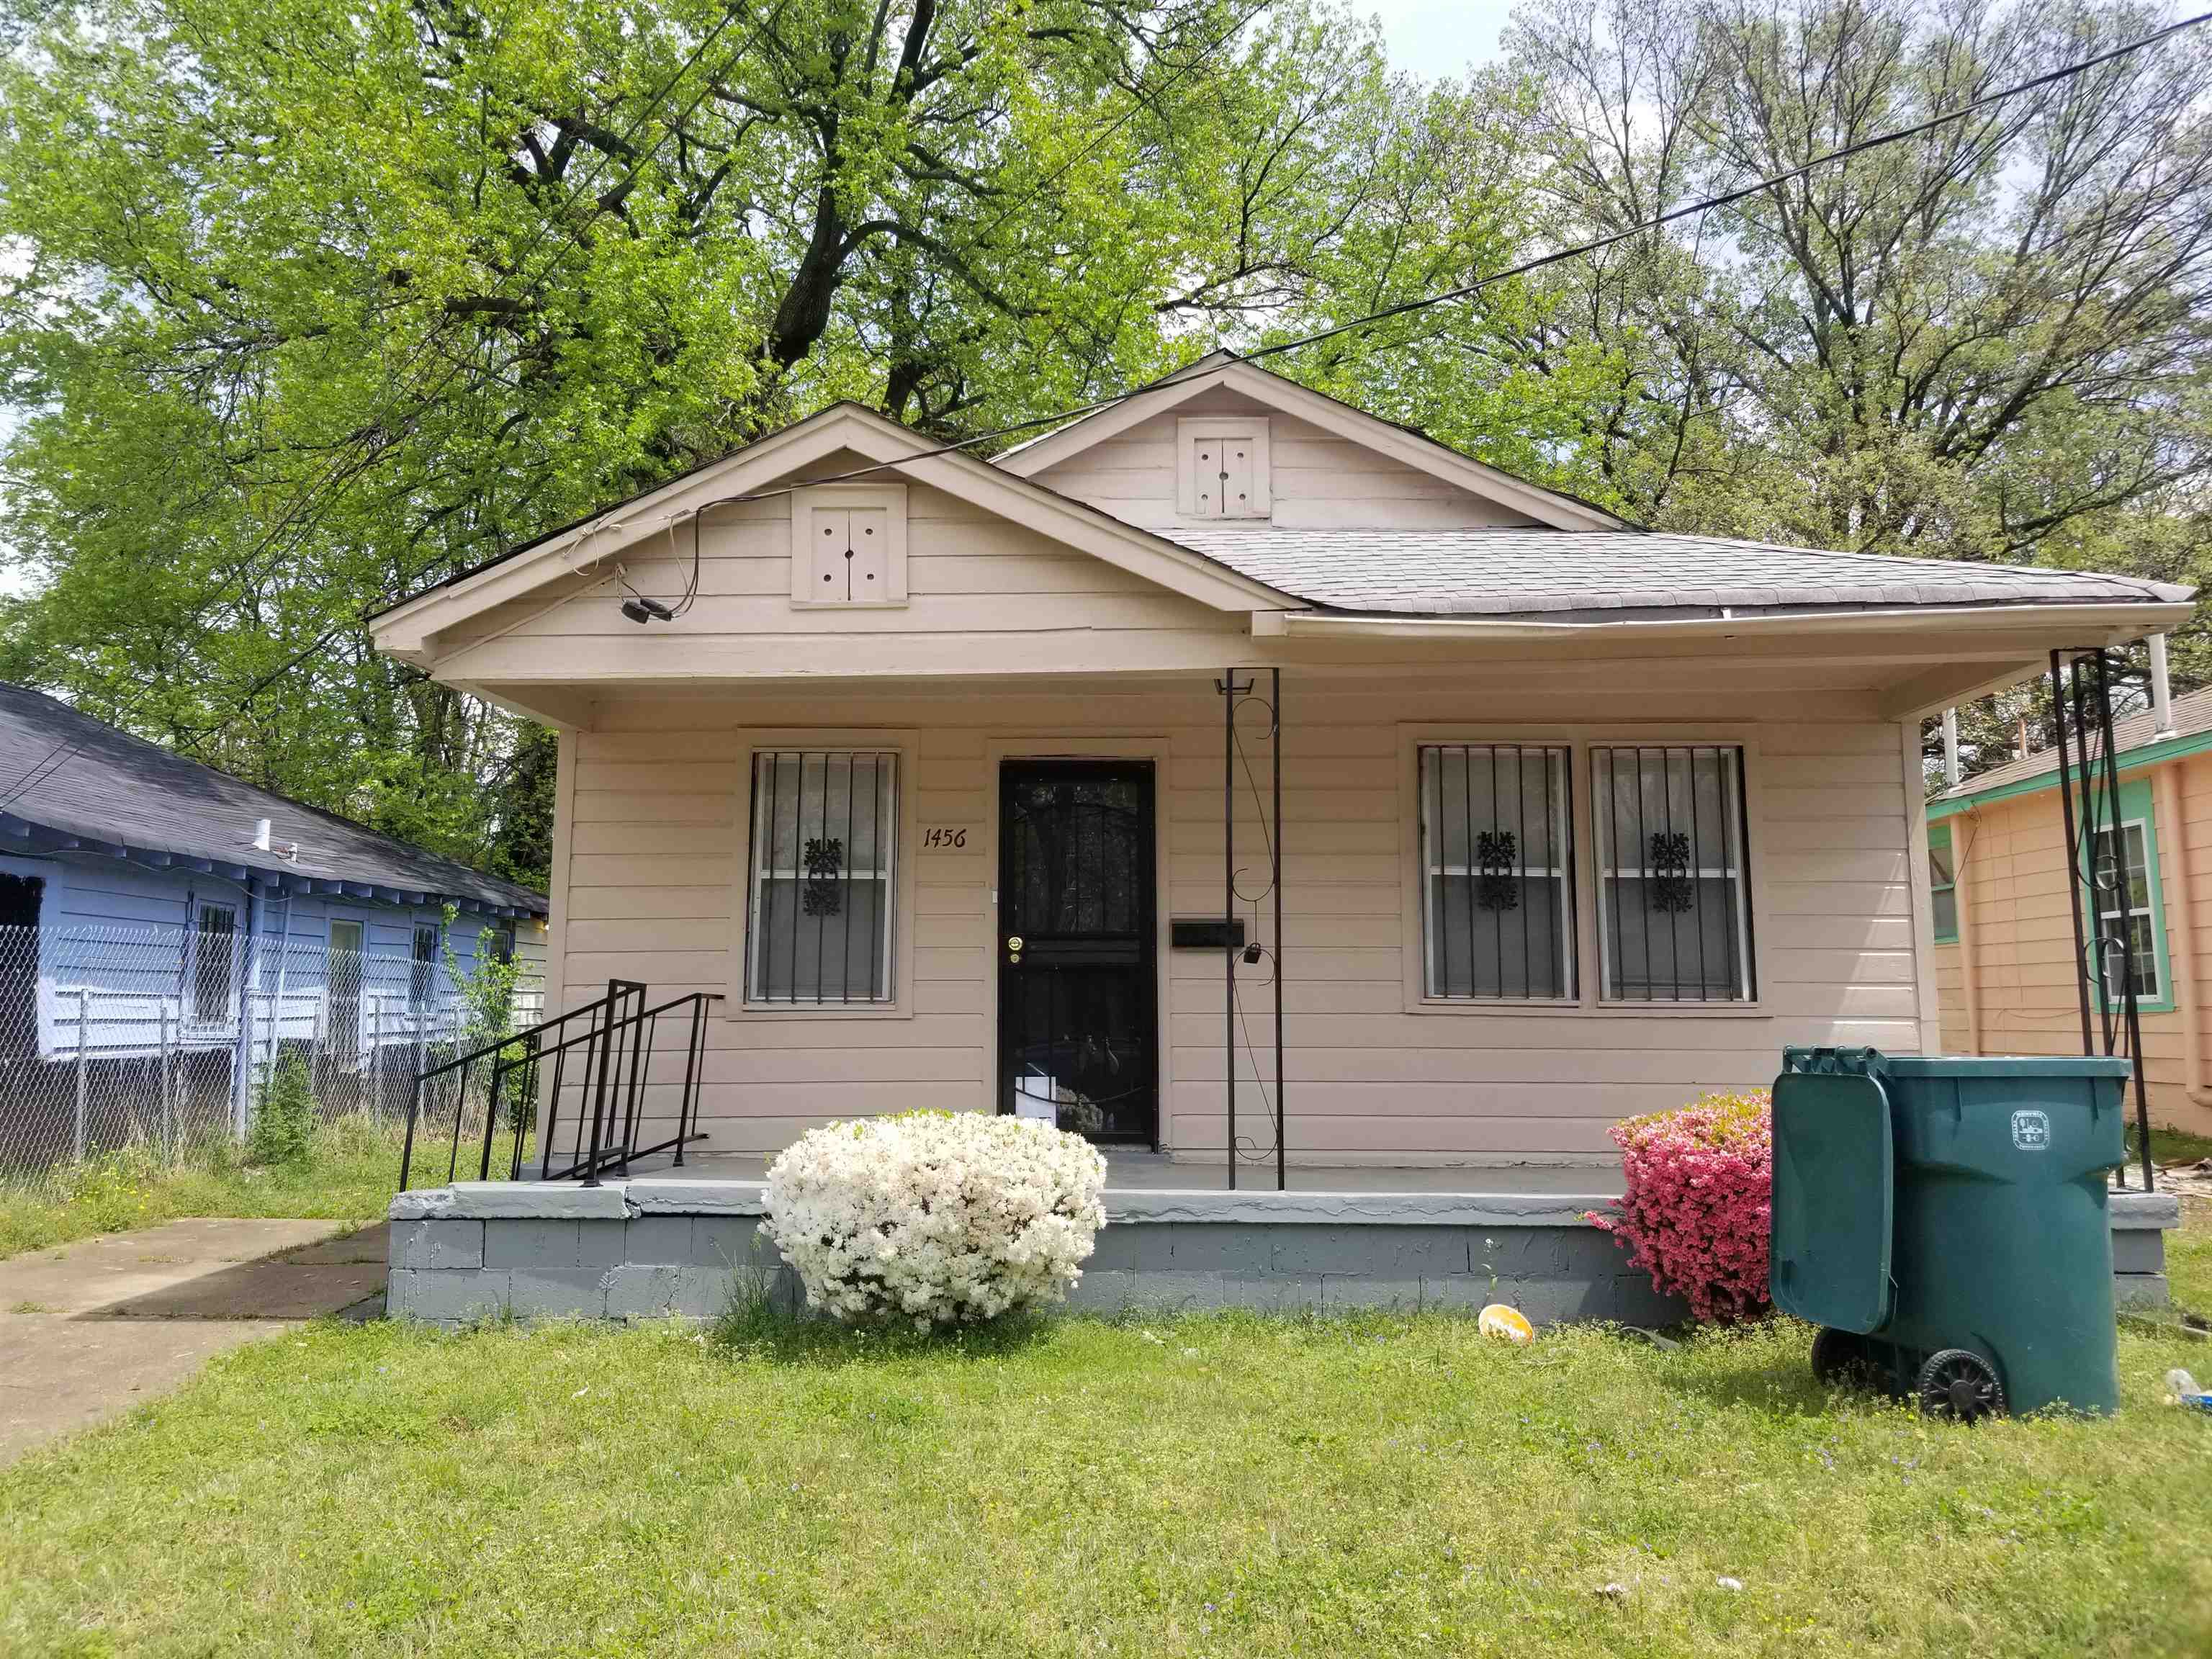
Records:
x=1944, y=1221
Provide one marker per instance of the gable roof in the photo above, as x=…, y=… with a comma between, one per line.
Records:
x=1604, y=573
x=2136, y=742
x=86, y=787
x=1224, y=371
x=888, y=450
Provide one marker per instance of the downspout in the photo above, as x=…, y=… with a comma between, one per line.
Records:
x=2181, y=951
x=1970, y=980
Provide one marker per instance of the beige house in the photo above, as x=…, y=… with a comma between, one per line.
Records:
x=2006, y=970
x=928, y=772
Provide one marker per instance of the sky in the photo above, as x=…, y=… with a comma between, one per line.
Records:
x=1439, y=37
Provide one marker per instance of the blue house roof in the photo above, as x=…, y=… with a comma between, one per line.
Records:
x=71, y=783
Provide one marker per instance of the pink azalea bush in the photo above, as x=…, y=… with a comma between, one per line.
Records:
x=1697, y=1212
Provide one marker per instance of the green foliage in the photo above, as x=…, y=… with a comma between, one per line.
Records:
x=285, y=1116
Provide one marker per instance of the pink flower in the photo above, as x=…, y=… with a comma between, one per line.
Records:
x=1697, y=1213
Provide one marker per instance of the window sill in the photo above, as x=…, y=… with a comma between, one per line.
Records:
x=1588, y=1009
x=733, y=1009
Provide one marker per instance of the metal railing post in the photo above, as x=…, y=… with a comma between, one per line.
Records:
x=168, y=1095
x=83, y=1043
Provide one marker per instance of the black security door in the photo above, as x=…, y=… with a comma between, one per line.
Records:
x=1077, y=1032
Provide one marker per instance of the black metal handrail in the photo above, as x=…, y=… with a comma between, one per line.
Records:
x=610, y=1044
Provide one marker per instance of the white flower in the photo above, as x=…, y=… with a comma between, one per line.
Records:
x=936, y=1217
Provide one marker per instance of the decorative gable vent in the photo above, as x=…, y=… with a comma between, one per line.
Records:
x=1221, y=467
x=848, y=546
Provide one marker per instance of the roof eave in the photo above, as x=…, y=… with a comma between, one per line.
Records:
x=2109, y=620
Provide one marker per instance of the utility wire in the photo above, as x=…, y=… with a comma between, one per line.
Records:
x=1540, y=262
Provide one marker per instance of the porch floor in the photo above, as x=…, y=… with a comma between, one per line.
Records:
x=1131, y=1170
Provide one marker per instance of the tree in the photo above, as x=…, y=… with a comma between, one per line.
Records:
x=319, y=303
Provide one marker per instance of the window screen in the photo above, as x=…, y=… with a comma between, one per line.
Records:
x=1497, y=872
x=213, y=964
x=1942, y=883
x=2121, y=880
x=825, y=845
x=422, y=968
x=1673, y=900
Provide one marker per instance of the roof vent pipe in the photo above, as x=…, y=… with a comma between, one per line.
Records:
x=261, y=835
x=2161, y=690
x=1951, y=749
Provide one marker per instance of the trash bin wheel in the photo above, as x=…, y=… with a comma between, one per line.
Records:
x=1959, y=1384
x=1841, y=1359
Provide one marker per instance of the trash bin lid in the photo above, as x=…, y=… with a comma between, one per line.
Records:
x=1829, y=1259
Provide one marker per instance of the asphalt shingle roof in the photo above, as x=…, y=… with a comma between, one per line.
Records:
x=90, y=782
x=1537, y=572
x=2192, y=717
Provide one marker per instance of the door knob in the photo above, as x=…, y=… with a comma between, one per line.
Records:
x=1014, y=943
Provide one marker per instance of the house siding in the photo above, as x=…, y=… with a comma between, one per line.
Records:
x=655, y=796
x=2011, y=860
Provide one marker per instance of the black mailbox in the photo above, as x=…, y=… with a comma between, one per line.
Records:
x=1206, y=932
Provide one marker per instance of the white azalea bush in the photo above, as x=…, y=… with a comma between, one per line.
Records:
x=940, y=1217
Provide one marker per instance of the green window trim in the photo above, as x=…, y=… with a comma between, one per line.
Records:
x=2134, y=810
x=1942, y=883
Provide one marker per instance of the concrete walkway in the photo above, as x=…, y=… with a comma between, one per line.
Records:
x=89, y=1330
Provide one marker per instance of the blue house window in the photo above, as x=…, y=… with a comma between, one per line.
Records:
x=215, y=963
x=422, y=971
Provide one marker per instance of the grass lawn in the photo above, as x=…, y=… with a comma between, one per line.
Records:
x=1219, y=1484
x=349, y=1175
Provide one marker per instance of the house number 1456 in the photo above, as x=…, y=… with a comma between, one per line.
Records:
x=941, y=835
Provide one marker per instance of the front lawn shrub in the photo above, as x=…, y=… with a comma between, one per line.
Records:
x=284, y=1117
x=940, y=1217
x=1698, y=1211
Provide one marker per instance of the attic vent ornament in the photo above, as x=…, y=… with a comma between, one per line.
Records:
x=825, y=863
x=1672, y=893
x=1496, y=888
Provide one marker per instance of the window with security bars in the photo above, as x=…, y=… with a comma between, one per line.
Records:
x=1497, y=872
x=824, y=848
x=2121, y=881
x=1674, y=898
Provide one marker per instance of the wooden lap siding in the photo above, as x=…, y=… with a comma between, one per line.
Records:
x=655, y=791
x=2012, y=864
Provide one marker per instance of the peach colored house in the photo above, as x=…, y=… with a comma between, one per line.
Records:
x=2005, y=967
x=930, y=775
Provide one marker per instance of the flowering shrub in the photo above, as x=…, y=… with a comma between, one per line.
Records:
x=936, y=1217
x=1697, y=1212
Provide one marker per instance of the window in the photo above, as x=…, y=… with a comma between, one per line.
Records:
x=341, y=989
x=422, y=969
x=1497, y=872
x=824, y=844
x=1221, y=467
x=1942, y=883
x=2124, y=892
x=848, y=545
x=215, y=978
x=1673, y=904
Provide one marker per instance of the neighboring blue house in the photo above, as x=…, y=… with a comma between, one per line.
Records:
x=166, y=930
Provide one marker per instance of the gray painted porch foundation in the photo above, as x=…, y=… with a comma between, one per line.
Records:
x=649, y=1248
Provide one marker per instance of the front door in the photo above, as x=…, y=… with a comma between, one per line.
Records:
x=1077, y=1025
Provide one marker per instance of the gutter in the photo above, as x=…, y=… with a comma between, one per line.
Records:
x=2128, y=617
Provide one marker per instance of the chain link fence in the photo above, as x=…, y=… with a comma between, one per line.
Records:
x=163, y=1039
